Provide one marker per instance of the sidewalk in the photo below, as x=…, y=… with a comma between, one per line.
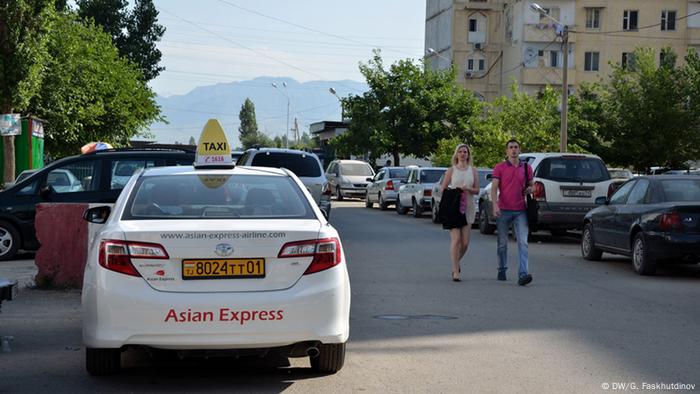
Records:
x=22, y=270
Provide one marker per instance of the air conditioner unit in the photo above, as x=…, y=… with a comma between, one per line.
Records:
x=468, y=74
x=478, y=45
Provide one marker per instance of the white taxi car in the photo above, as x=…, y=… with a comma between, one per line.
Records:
x=215, y=260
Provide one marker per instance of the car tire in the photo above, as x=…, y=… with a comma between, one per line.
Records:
x=588, y=249
x=9, y=241
x=399, y=208
x=330, y=359
x=434, y=211
x=99, y=362
x=417, y=209
x=484, y=226
x=368, y=203
x=383, y=205
x=338, y=194
x=641, y=262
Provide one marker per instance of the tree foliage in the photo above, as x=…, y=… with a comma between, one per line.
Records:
x=23, y=28
x=135, y=33
x=408, y=108
x=89, y=93
x=248, y=129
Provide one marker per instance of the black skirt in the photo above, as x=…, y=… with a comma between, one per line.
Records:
x=449, y=214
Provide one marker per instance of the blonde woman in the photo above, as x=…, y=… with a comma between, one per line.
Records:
x=462, y=179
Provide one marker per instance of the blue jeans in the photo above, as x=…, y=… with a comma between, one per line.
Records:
x=521, y=232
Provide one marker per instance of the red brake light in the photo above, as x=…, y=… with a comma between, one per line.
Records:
x=612, y=188
x=326, y=253
x=427, y=193
x=670, y=222
x=116, y=255
x=538, y=192
x=389, y=185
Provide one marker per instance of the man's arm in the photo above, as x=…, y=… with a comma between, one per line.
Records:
x=494, y=197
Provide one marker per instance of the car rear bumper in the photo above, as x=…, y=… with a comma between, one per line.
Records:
x=123, y=310
x=562, y=216
x=673, y=246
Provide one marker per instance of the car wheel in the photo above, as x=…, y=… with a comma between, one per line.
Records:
x=338, y=195
x=484, y=226
x=642, y=263
x=435, y=211
x=417, y=209
x=9, y=241
x=588, y=249
x=383, y=205
x=399, y=208
x=102, y=361
x=330, y=359
x=368, y=203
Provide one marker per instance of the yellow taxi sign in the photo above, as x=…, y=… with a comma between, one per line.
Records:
x=213, y=149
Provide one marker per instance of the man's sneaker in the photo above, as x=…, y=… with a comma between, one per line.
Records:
x=525, y=280
x=501, y=275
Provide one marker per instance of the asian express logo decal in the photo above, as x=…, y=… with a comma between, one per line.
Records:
x=223, y=250
x=222, y=314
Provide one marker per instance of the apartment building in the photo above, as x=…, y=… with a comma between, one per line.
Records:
x=495, y=42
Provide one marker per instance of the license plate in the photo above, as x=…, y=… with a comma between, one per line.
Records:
x=576, y=193
x=223, y=268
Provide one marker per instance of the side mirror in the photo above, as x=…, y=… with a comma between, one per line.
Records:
x=369, y=179
x=46, y=192
x=602, y=201
x=488, y=177
x=97, y=215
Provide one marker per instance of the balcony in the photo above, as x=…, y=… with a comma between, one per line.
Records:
x=546, y=76
x=542, y=32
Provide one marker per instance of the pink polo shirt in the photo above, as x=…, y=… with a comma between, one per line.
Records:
x=511, y=184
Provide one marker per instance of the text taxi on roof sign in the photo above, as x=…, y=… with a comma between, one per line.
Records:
x=219, y=259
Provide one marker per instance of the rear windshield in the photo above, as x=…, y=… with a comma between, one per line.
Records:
x=430, y=176
x=300, y=164
x=684, y=190
x=573, y=169
x=217, y=197
x=400, y=173
x=356, y=169
x=482, y=178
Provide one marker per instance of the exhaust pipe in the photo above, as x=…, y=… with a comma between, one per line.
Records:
x=312, y=352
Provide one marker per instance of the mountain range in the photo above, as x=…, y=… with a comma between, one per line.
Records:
x=309, y=102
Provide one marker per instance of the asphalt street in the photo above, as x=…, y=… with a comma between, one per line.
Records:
x=578, y=327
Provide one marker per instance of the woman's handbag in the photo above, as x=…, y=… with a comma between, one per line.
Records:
x=532, y=207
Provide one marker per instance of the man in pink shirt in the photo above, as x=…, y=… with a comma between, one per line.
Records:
x=508, y=196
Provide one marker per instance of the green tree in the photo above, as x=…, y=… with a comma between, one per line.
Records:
x=89, y=93
x=192, y=141
x=442, y=157
x=23, y=28
x=405, y=111
x=134, y=33
x=248, y=130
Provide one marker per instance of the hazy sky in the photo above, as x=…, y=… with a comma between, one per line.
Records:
x=212, y=41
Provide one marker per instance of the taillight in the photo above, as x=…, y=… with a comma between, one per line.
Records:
x=116, y=255
x=670, y=222
x=389, y=185
x=538, y=192
x=612, y=188
x=427, y=192
x=326, y=253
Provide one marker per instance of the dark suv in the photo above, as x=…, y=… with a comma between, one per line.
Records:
x=96, y=177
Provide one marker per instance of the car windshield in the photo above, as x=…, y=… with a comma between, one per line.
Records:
x=430, y=176
x=356, y=169
x=682, y=190
x=573, y=169
x=217, y=197
x=301, y=164
x=401, y=173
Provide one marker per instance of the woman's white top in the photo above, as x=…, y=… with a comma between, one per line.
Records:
x=460, y=179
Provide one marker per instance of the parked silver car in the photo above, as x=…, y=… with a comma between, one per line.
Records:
x=484, y=179
x=348, y=178
x=383, y=187
x=416, y=194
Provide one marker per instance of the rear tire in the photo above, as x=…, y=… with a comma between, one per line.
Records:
x=383, y=205
x=435, y=211
x=99, y=362
x=417, y=209
x=9, y=241
x=330, y=359
x=641, y=262
x=588, y=249
x=338, y=194
x=399, y=208
x=368, y=203
x=484, y=226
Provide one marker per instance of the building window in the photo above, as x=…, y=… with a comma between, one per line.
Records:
x=629, y=20
x=592, y=18
x=553, y=59
x=470, y=64
x=482, y=64
x=668, y=20
x=591, y=62
x=472, y=24
x=627, y=60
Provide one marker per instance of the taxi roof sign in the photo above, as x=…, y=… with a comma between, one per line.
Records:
x=213, y=150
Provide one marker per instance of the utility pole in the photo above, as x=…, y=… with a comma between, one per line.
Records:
x=564, y=91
